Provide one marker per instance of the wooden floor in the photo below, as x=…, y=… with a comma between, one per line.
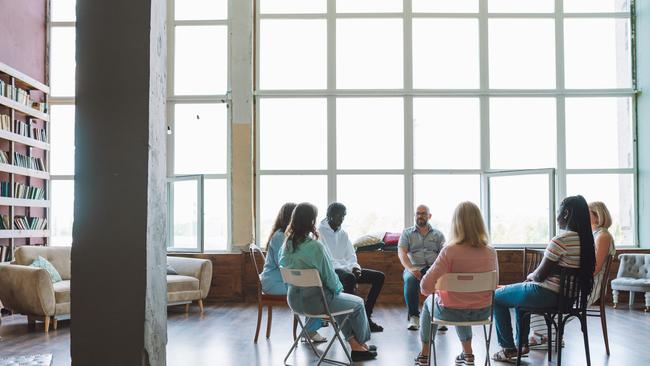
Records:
x=224, y=336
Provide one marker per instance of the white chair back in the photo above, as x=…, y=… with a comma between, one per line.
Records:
x=301, y=277
x=468, y=282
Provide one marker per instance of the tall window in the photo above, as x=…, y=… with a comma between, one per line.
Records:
x=62, y=85
x=198, y=118
x=384, y=105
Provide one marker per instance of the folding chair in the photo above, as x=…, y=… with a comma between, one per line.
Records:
x=466, y=282
x=311, y=278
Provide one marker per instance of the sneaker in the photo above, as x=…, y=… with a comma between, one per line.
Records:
x=374, y=327
x=358, y=356
x=316, y=338
x=443, y=328
x=465, y=359
x=414, y=322
x=422, y=360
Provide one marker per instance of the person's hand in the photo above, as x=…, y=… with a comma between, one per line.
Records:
x=415, y=271
x=529, y=278
x=356, y=272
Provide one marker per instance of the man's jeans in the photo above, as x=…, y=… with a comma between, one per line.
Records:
x=411, y=293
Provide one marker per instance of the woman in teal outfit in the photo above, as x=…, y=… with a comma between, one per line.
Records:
x=272, y=283
x=302, y=250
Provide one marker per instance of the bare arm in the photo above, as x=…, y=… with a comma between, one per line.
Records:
x=402, y=253
x=603, y=242
x=545, y=268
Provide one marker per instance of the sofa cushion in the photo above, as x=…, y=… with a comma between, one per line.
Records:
x=43, y=263
x=177, y=283
x=631, y=284
x=58, y=256
x=61, y=292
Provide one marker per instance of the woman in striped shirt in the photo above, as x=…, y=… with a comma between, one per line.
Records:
x=601, y=220
x=572, y=248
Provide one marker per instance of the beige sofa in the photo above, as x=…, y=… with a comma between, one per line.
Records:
x=29, y=290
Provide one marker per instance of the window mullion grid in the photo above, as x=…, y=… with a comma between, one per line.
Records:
x=485, y=110
x=560, y=143
x=408, y=112
x=331, y=102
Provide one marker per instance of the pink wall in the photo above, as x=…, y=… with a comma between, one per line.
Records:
x=22, y=36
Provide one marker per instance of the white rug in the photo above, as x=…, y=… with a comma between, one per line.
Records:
x=31, y=360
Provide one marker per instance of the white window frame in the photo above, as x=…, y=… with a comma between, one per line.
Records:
x=200, y=233
x=484, y=93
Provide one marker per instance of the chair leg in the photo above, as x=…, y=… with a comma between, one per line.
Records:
x=631, y=299
x=615, y=298
x=269, y=319
x=31, y=322
x=187, y=308
x=431, y=346
x=295, y=341
x=337, y=335
x=559, y=336
x=603, y=324
x=259, y=321
x=47, y=324
x=549, y=335
x=583, y=326
x=201, y=305
x=647, y=302
x=487, y=336
x=520, y=341
x=55, y=323
x=295, y=326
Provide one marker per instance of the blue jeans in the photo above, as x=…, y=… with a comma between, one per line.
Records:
x=450, y=314
x=308, y=301
x=271, y=287
x=411, y=293
x=526, y=294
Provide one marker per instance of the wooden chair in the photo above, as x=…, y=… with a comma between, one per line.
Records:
x=532, y=259
x=600, y=312
x=258, y=259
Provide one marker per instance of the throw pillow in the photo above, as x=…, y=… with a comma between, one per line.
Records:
x=171, y=270
x=391, y=238
x=41, y=262
x=366, y=240
x=371, y=248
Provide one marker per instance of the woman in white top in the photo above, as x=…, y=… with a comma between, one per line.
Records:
x=601, y=220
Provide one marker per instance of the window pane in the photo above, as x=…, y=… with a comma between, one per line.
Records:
x=445, y=53
x=200, y=9
x=370, y=133
x=293, y=54
x=62, y=61
x=61, y=213
x=446, y=133
x=62, y=139
x=596, y=6
x=63, y=10
x=445, y=6
x=369, y=6
x=522, y=133
x=276, y=190
x=514, y=221
x=522, y=53
x=185, y=206
x=285, y=122
x=200, y=139
x=201, y=60
x=599, y=133
x=369, y=207
x=369, y=54
x=617, y=192
x=597, y=53
x=215, y=214
x=519, y=6
x=442, y=193
x=292, y=6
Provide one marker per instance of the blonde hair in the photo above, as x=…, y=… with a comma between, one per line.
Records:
x=467, y=226
x=602, y=214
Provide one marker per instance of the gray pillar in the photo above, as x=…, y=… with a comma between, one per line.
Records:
x=118, y=250
x=643, y=119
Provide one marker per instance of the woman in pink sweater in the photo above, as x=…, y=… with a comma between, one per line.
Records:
x=467, y=250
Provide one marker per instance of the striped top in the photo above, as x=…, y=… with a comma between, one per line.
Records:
x=598, y=278
x=564, y=249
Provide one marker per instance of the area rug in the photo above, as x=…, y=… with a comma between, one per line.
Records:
x=30, y=360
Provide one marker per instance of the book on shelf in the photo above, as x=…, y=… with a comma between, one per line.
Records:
x=5, y=122
x=21, y=96
x=28, y=162
x=3, y=157
x=5, y=223
x=30, y=223
x=25, y=192
x=4, y=253
x=25, y=129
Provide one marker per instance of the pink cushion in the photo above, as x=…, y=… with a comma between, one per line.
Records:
x=391, y=238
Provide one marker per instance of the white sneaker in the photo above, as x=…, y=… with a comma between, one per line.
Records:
x=316, y=338
x=414, y=322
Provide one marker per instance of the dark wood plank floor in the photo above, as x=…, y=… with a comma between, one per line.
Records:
x=224, y=336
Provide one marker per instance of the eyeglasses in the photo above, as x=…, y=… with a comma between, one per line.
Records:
x=421, y=214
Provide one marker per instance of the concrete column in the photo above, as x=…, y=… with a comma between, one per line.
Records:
x=643, y=120
x=118, y=251
x=242, y=163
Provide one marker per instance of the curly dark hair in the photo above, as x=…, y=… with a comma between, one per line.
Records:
x=303, y=222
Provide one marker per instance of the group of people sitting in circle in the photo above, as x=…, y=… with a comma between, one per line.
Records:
x=297, y=241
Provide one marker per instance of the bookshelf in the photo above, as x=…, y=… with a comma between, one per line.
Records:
x=24, y=161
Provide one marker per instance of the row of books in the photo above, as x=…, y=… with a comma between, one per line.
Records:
x=29, y=162
x=5, y=122
x=30, y=223
x=21, y=96
x=24, y=129
x=22, y=191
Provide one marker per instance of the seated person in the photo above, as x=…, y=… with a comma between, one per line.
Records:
x=302, y=250
x=573, y=247
x=271, y=279
x=468, y=250
x=345, y=262
x=418, y=248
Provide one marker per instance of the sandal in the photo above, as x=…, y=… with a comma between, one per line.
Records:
x=538, y=342
x=421, y=360
x=510, y=354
